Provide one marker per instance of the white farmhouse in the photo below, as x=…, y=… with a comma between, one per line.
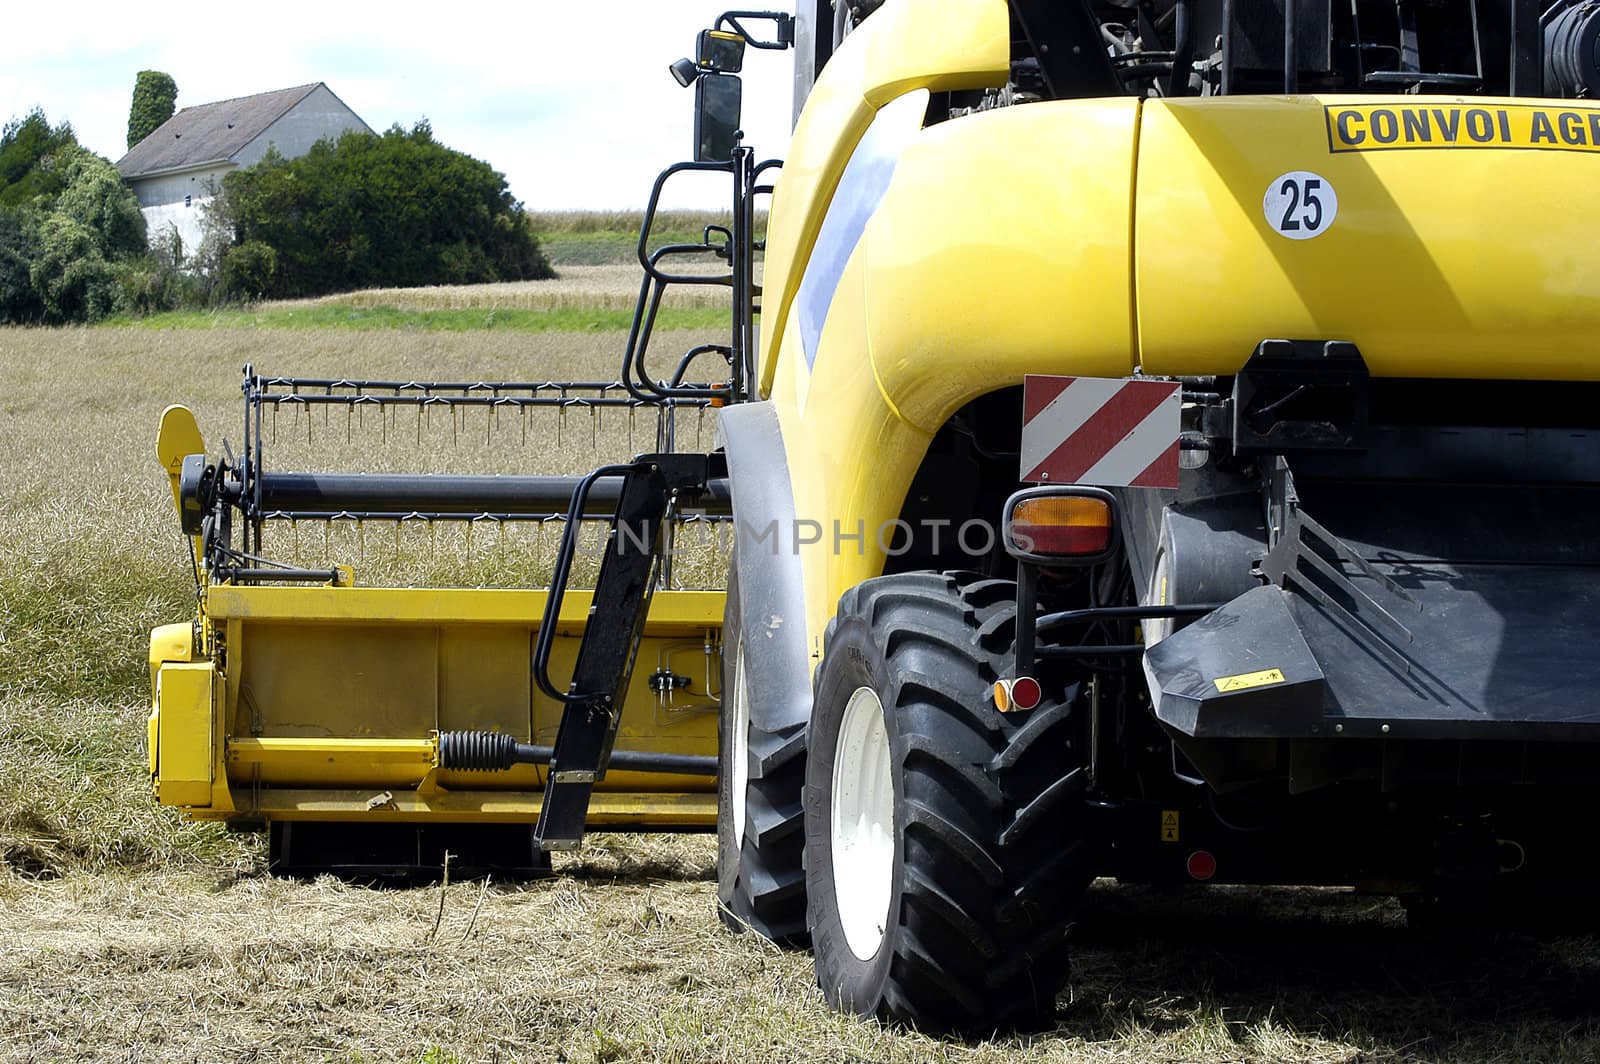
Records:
x=180, y=166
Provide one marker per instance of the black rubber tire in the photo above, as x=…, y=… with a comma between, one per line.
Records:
x=991, y=855
x=761, y=885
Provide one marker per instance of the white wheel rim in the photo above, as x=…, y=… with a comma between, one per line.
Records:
x=863, y=824
x=739, y=749
x=1158, y=628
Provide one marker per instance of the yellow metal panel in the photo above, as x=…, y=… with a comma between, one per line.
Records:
x=177, y=438
x=928, y=316
x=941, y=45
x=850, y=459
x=353, y=762
x=337, y=680
x=344, y=687
x=1004, y=284
x=1450, y=262
x=184, y=744
x=606, y=810
x=168, y=642
x=670, y=611
x=171, y=642
x=484, y=679
x=686, y=726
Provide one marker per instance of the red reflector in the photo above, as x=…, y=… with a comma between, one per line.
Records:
x=1025, y=692
x=1202, y=865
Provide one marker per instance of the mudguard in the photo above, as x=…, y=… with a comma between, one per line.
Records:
x=771, y=590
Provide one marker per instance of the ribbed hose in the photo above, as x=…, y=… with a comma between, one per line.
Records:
x=484, y=751
x=476, y=751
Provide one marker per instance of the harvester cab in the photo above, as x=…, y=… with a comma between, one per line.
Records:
x=1168, y=455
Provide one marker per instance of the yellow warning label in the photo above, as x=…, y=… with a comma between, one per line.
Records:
x=1369, y=127
x=1246, y=680
x=1169, y=825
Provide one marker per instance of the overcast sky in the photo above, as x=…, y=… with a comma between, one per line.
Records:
x=572, y=101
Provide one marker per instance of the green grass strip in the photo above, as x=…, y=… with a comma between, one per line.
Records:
x=364, y=319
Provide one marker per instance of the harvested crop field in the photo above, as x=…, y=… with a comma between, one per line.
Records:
x=131, y=936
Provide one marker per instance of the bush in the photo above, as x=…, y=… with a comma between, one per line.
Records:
x=248, y=270
x=72, y=237
x=19, y=246
x=157, y=280
x=95, y=197
x=394, y=210
x=70, y=276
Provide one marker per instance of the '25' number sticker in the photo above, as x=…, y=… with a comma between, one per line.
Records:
x=1300, y=205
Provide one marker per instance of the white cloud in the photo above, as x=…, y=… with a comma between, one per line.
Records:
x=572, y=102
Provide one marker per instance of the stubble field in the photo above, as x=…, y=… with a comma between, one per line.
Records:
x=128, y=935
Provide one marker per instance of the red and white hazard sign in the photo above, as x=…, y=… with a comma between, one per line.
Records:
x=1093, y=430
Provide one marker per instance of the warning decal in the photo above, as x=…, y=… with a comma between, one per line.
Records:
x=1246, y=680
x=1169, y=825
x=1096, y=430
x=1392, y=127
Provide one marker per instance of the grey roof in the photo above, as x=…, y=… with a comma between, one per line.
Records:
x=209, y=133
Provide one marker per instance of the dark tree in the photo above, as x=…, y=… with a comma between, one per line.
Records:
x=71, y=233
x=25, y=144
x=381, y=211
x=155, y=97
x=19, y=246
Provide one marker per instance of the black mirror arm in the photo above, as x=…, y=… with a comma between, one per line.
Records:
x=782, y=21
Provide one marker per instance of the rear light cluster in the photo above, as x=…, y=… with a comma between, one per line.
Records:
x=1061, y=526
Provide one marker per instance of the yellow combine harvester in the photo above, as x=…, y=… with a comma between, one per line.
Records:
x=1170, y=454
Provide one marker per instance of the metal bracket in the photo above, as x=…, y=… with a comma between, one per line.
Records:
x=633, y=555
x=1300, y=395
x=1307, y=558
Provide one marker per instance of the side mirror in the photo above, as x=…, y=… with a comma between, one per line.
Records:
x=718, y=101
x=719, y=51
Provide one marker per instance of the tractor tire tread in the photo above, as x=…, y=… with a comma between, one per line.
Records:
x=987, y=892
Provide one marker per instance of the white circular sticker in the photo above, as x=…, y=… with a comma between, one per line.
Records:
x=1300, y=205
